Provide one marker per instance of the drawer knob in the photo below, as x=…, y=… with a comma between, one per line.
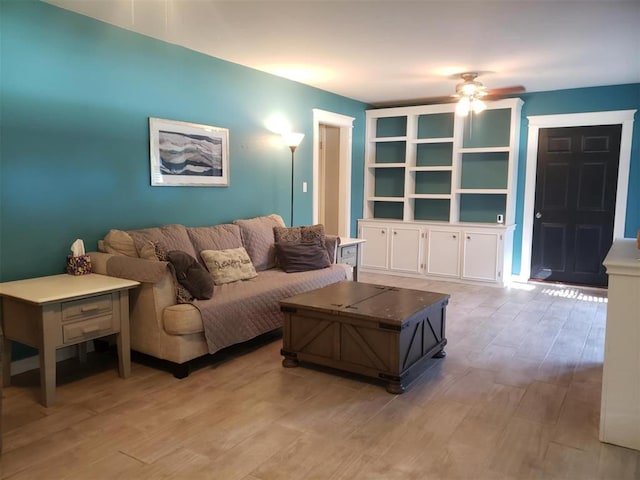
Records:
x=90, y=308
x=91, y=329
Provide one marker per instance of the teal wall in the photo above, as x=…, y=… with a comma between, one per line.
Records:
x=580, y=100
x=76, y=95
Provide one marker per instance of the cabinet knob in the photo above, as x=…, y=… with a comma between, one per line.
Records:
x=538, y=215
x=454, y=236
x=395, y=233
x=382, y=232
x=468, y=237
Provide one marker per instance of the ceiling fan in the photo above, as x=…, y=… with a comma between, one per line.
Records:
x=471, y=93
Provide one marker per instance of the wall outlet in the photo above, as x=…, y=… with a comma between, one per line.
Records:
x=304, y=187
x=500, y=218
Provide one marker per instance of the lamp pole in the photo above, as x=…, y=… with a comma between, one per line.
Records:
x=293, y=149
x=292, y=140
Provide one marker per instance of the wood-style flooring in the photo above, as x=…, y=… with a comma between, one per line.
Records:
x=517, y=397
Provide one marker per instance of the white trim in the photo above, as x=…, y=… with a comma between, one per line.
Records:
x=619, y=117
x=345, y=124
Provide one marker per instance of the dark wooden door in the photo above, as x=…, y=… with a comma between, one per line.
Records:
x=575, y=200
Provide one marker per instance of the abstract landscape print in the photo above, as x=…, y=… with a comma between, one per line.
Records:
x=184, y=153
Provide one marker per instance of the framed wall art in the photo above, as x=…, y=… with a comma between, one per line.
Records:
x=184, y=153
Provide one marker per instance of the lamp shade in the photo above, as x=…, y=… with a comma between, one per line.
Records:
x=292, y=139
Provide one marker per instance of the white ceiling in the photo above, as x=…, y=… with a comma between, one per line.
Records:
x=382, y=51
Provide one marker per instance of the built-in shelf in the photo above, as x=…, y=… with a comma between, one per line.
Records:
x=430, y=160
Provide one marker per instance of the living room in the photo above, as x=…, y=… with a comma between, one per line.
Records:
x=77, y=94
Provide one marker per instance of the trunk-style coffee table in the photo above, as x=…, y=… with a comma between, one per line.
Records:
x=382, y=332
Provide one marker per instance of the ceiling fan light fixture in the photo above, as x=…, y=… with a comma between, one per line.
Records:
x=468, y=104
x=462, y=109
x=478, y=105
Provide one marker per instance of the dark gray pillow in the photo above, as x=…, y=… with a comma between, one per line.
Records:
x=191, y=275
x=301, y=256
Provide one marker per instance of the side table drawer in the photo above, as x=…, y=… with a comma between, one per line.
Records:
x=87, y=329
x=87, y=308
x=348, y=255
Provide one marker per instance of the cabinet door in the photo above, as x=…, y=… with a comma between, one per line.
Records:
x=480, y=260
x=405, y=249
x=443, y=253
x=374, y=252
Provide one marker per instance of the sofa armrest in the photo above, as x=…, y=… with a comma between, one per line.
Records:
x=332, y=242
x=121, y=266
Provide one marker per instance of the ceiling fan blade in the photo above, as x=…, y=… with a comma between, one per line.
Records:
x=496, y=92
x=416, y=101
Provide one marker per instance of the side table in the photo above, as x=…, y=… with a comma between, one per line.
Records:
x=52, y=312
x=349, y=253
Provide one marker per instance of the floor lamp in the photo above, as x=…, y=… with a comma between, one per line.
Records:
x=292, y=140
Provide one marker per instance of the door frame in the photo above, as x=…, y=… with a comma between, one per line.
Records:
x=615, y=117
x=345, y=124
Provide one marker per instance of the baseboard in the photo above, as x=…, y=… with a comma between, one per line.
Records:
x=32, y=363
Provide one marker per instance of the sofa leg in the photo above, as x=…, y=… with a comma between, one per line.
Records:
x=181, y=370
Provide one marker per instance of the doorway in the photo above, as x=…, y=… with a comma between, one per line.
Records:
x=575, y=198
x=329, y=179
x=333, y=202
x=538, y=122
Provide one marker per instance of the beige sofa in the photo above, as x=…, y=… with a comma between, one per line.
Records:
x=238, y=311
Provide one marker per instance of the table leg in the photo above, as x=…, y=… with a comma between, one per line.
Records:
x=47, y=353
x=82, y=352
x=6, y=362
x=47, y=374
x=123, y=338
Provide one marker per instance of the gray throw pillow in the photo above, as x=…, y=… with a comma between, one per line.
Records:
x=301, y=256
x=191, y=275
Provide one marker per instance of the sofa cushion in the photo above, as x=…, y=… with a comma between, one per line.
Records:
x=217, y=237
x=169, y=237
x=229, y=265
x=301, y=256
x=191, y=275
x=258, y=239
x=182, y=320
x=119, y=242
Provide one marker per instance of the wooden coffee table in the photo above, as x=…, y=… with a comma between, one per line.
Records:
x=387, y=333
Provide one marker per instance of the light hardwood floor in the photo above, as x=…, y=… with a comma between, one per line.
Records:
x=517, y=397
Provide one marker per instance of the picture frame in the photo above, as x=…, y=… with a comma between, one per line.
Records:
x=188, y=154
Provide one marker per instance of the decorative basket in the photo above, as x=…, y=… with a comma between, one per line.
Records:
x=80, y=265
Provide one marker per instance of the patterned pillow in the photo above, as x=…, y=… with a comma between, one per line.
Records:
x=307, y=234
x=229, y=265
x=155, y=251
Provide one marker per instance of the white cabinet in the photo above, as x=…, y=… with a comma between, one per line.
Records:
x=480, y=256
x=458, y=252
x=443, y=253
x=405, y=249
x=376, y=253
x=391, y=247
x=620, y=405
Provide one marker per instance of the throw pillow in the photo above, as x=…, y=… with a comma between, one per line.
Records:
x=301, y=256
x=191, y=275
x=119, y=242
x=229, y=265
x=307, y=234
x=257, y=238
